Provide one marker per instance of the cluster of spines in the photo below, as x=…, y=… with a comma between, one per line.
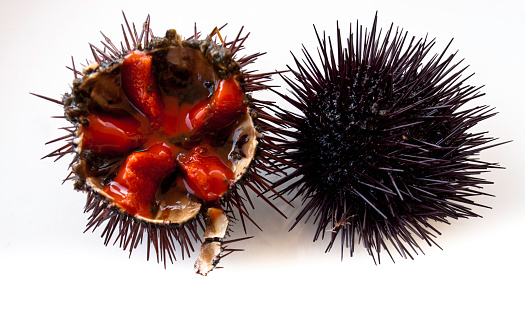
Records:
x=130, y=231
x=396, y=123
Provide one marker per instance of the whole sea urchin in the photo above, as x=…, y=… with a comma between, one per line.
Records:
x=381, y=142
x=168, y=140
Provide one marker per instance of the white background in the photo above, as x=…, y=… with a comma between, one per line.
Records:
x=52, y=275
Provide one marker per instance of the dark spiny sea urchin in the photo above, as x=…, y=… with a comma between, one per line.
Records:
x=167, y=140
x=381, y=143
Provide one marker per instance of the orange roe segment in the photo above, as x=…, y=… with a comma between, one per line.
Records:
x=176, y=116
x=225, y=106
x=198, y=116
x=113, y=135
x=229, y=97
x=137, y=182
x=140, y=87
x=206, y=175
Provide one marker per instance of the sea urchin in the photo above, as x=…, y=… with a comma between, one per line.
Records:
x=167, y=140
x=381, y=141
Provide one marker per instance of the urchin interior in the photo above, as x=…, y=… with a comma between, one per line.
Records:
x=185, y=79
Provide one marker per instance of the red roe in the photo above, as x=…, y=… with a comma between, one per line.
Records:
x=140, y=86
x=226, y=105
x=113, y=135
x=205, y=173
x=137, y=182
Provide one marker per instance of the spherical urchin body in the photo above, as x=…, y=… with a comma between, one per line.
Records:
x=166, y=137
x=381, y=140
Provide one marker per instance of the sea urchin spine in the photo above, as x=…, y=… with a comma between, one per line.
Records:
x=381, y=140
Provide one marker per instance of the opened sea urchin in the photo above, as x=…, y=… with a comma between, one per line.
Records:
x=166, y=139
x=381, y=140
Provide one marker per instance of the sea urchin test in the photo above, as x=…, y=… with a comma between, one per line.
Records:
x=163, y=133
x=382, y=142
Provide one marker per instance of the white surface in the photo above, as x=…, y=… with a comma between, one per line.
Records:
x=52, y=275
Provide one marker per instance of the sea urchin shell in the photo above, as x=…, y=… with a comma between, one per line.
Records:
x=381, y=141
x=166, y=136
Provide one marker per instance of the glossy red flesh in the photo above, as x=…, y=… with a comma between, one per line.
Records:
x=224, y=107
x=140, y=86
x=137, y=182
x=112, y=135
x=206, y=174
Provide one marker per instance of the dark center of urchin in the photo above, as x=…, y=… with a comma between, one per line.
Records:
x=328, y=135
x=350, y=134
